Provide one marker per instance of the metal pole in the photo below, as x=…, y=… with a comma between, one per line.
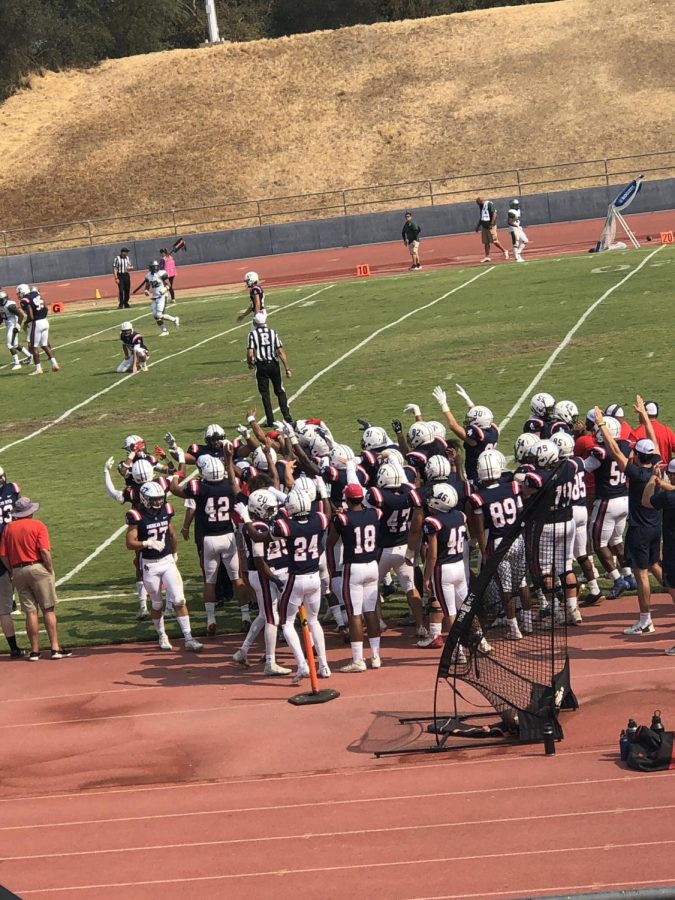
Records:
x=431, y=192
x=212, y=20
x=173, y=217
x=4, y=243
x=606, y=172
x=91, y=241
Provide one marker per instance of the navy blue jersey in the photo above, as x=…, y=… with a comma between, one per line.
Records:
x=9, y=494
x=370, y=464
x=450, y=531
x=215, y=501
x=336, y=480
x=359, y=530
x=153, y=527
x=534, y=425
x=305, y=540
x=274, y=553
x=610, y=481
x=257, y=291
x=133, y=340
x=197, y=450
x=34, y=306
x=665, y=502
x=640, y=515
x=561, y=506
x=419, y=457
x=555, y=427
x=485, y=439
x=397, y=508
x=579, y=491
x=499, y=504
x=132, y=491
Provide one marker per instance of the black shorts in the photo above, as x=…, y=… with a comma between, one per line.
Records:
x=643, y=546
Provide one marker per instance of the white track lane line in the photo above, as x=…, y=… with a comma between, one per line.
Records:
x=527, y=393
x=120, y=381
x=297, y=871
x=539, y=892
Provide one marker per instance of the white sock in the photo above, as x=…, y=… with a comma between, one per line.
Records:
x=626, y=571
x=159, y=625
x=253, y=632
x=571, y=603
x=357, y=651
x=513, y=624
x=142, y=594
x=338, y=615
x=270, y=641
x=245, y=613
x=15, y=359
x=387, y=580
x=184, y=625
x=527, y=617
x=645, y=618
x=210, y=613
x=27, y=353
x=374, y=646
x=593, y=586
x=54, y=362
x=38, y=367
x=169, y=318
x=435, y=628
x=614, y=574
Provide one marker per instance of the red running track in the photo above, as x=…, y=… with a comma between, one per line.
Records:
x=341, y=262
x=131, y=773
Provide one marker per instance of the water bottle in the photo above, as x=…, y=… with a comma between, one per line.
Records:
x=631, y=730
x=549, y=739
x=624, y=745
x=657, y=724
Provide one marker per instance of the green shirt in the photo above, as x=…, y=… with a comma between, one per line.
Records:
x=411, y=231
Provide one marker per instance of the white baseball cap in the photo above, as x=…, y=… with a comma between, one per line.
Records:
x=260, y=318
x=652, y=408
x=671, y=467
x=590, y=415
x=614, y=410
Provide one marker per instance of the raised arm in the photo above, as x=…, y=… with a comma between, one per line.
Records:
x=442, y=400
x=608, y=440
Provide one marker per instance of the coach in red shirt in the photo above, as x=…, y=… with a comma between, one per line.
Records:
x=25, y=550
x=665, y=437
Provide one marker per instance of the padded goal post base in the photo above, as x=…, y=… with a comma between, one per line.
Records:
x=311, y=698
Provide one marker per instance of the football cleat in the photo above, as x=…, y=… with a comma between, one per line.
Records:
x=355, y=666
x=272, y=668
x=241, y=659
x=164, y=642
x=619, y=587
x=375, y=662
x=193, y=645
x=640, y=629
x=431, y=642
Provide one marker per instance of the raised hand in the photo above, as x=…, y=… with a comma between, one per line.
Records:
x=441, y=398
x=413, y=409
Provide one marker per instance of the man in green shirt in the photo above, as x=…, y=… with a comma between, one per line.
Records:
x=487, y=225
x=411, y=238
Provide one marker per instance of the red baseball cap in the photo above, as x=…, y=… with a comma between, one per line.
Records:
x=353, y=492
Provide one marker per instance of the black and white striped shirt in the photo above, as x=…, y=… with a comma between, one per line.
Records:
x=121, y=264
x=265, y=343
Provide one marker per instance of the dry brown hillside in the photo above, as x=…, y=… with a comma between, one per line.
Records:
x=478, y=91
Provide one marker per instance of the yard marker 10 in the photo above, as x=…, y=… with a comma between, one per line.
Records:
x=363, y=269
x=309, y=698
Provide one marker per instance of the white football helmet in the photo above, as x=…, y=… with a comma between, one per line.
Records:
x=438, y=428
x=260, y=460
x=251, y=278
x=210, y=468
x=298, y=503
x=22, y=290
x=213, y=434
x=541, y=405
x=3, y=477
x=318, y=446
x=390, y=475
x=523, y=446
x=262, y=504
x=126, y=328
x=130, y=442
x=374, y=438
x=305, y=484
x=437, y=467
x=4, y=298
x=480, y=416
x=566, y=411
x=443, y=498
x=142, y=471
x=565, y=444
x=490, y=465
x=152, y=495
x=305, y=432
x=546, y=454
x=391, y=455
x=613, y=426
x=419, y=434
x=339, y=453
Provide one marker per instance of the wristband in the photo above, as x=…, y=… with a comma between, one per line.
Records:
x=250, y=419
x=445, y=408
x=145, y=545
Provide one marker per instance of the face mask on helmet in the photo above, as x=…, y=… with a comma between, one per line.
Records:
x=443, y=498
x=374, y=438
x=213, y=434
x=262, y=504
x=419, y=434
x=22, y=290
x=152, y=496
x=298, y=503
x=489, y=466
x=305, y=484
x=251, y=278
x=260, y=460
x=210, y=468
x=542, y=404
x=142, y=471
x=126, y=328
x=524, y=445
x=565, y=444
x=613, y=426
x=480, y=416
x=390, y=476
x=546, y=454
x=131, y=440
x=566, y=411
x=437, y=467
x=340, y=455
x=154, y=266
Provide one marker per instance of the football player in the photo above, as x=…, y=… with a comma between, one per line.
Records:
x=478, y=433
x=156, y=285
x=12, y=317
x=37, y=324
x=357, y=528
x=9, y=494
x=135, y=352
x=257, y=297
x=541, y=407
x=150, y=531
x=563, y=419
x=267, y=566
x=518, y=237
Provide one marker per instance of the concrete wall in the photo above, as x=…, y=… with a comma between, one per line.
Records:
x=369, y=228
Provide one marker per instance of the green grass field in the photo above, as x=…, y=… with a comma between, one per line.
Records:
x=492, y=329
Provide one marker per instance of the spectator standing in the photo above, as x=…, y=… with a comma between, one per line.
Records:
x=25, y=551
x=411, y=238
x=169, y=265
x=122, y=266
x=264, y=352
x=665, y=436
x=487, y=225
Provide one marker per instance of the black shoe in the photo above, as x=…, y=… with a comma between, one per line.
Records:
x=17, y=653
x=61, y=653
x=33, y=656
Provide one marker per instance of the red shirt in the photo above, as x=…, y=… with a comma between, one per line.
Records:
x=665, y=438
x=627, y=433
x=22, y=541
x=582, y=447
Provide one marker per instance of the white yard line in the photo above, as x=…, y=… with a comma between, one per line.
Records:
x=120, y=381
x=527, y=393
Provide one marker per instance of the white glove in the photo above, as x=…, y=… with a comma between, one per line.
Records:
x=321, y=489
x=243, y=431
x=153, y=544
x=242, y=511
x=463, y=394
x=109, y=463
x=170, y=441
x=180, y=456
x=441, y=398
x=413, y=409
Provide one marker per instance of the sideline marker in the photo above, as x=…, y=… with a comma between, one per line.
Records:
x=362, y=270
x=57, y=307
x=97, y=294
x=667, y=237
x=309, y=698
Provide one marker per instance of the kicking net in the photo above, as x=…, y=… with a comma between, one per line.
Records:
x=526, y=680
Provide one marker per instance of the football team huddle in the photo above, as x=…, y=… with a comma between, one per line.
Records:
x=297, y=518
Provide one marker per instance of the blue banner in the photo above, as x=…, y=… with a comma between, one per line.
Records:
x=629, y=193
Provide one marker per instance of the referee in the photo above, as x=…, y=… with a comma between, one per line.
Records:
x=121, y=267
x=264, y=352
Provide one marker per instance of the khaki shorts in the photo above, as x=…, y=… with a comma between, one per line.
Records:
x=6, y=594
x=414, y=247
x=488, y=235
x=35, y=587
